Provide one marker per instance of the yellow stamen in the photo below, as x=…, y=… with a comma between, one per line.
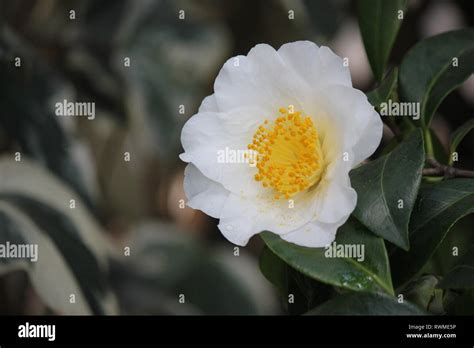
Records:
x=289, y=154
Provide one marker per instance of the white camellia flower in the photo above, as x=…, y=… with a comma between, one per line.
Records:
x=272, y=148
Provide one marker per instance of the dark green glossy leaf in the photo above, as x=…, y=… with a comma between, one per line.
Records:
x=428, y=72
x=462, y=275
x=379, y=24
x=305, y=292
x=274, y=269
x=439, y=206
x=387, y=189
x=366, y=304
x=458, y=135
x=391, y=145
x=454, y=245
x=372, y=274
x=383, y=91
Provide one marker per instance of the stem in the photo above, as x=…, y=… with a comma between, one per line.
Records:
x=395, y=129
x=439, y=169
x=429, y=143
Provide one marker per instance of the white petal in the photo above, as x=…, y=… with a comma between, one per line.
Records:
x=209, y=104
x=336, y=199
x=208, y=135
x=369, y=139
x=334, y=69
x=259, y=79
x=326, y=208
x=352, y=117
x=203, y=193
x=237, y=230
x=238, y=221
x=318, y=66
x=242, y=217
x=314, y=234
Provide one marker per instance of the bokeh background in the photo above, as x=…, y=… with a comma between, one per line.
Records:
x=129, y=246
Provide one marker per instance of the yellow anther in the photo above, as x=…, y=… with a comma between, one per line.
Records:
x=289, y=156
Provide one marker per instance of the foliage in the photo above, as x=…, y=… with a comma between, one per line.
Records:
x=110, y=233
x=397, y=200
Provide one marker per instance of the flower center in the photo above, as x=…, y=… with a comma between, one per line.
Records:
x=289, y=155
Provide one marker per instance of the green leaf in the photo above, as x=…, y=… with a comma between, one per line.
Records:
x=380, y=186
x=71, y=243
x=384, y=90
x=459, y=302
x=306, y=292
x=27, y=178
x=325, y=17
x=460, y=239
x=439, y=206
x=366, y=304
x=372, y=274
x=84, y=266
x=51, y=275
x=156, y=101
x=457, y=136
x=35, y=129
x=379, y=24
x=462, y=275
x=424, y=294
x=274, y=269
x=165, y=262
x=427, y=74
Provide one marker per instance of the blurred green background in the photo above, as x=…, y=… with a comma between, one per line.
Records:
x=128, y=246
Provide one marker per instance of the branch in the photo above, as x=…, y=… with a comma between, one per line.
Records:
x=390, y=123
x=439, y=169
